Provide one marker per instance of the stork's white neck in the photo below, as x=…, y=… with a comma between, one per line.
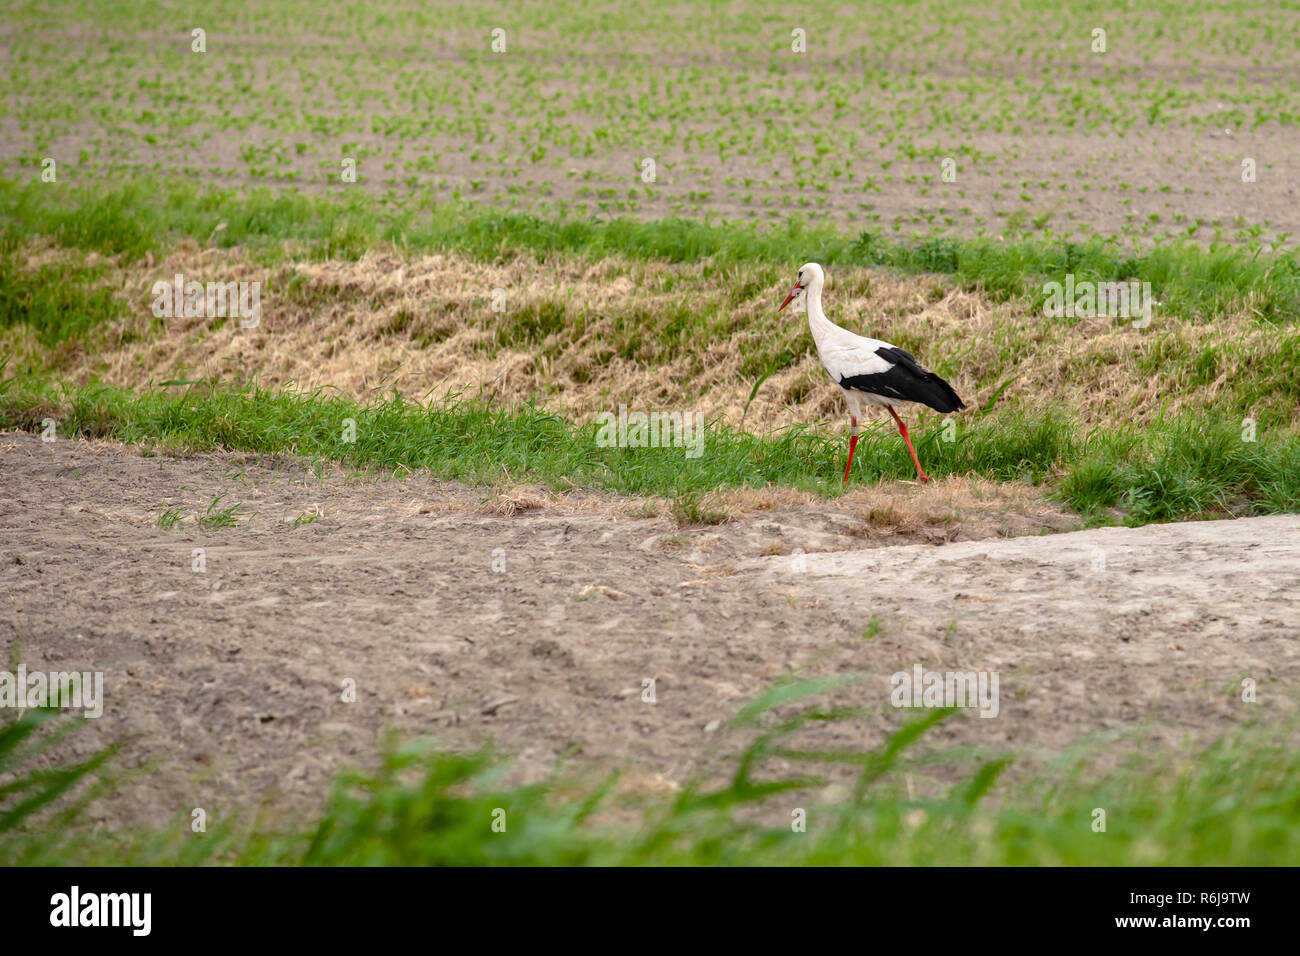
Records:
x=818, y=324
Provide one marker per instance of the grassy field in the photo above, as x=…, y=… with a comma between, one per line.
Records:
x=476, y=231
x=1050, y=129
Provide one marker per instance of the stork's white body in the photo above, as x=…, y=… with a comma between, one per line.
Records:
x=846, y=356
x=870, y=372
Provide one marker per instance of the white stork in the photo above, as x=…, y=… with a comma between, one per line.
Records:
x=871, y=372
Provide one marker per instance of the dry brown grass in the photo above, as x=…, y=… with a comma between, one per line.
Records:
x=425, y=327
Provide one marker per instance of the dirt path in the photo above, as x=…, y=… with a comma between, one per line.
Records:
x=235, y=673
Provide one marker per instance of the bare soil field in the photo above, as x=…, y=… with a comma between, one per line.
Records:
x=531, y=621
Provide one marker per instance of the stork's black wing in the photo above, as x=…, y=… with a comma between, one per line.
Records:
x=907, y=381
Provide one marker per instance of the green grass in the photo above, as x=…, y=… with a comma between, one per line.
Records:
x=1190, y=281
x=58, y=302
x=34, y=786
x=1191, y=466
x=29, y=789
x=1233, y=802
x=1194, y=466
x=214, y=519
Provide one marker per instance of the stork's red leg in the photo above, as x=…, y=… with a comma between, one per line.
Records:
x=853, y=443
x=902, y=430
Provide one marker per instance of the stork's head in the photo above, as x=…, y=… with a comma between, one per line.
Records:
x=810, y=274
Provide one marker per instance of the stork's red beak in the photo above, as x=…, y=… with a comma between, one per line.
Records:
x=789, y=298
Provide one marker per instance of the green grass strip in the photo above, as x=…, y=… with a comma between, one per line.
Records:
x=1190, y=281
x=1190, y=466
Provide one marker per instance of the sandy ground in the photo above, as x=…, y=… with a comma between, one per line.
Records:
x=234, y=675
